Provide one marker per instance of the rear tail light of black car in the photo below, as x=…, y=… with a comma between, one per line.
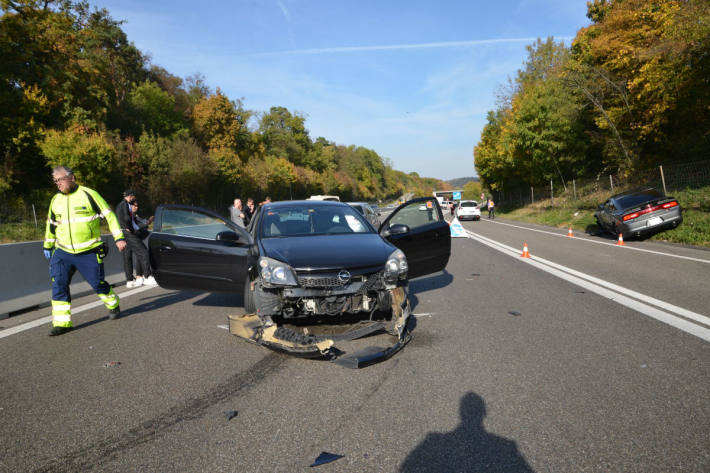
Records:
x=638, y=213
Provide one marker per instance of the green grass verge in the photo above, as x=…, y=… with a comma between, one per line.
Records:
x=579, y=214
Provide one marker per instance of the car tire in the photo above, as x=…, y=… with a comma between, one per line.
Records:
x=249, y=305
x=599, y=224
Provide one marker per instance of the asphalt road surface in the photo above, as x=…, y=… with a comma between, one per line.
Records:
x=587, y=357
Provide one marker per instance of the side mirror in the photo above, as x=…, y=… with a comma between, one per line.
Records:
x=396, y=229
x=228, y=235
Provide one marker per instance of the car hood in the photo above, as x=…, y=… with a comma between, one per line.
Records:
x=355, y=250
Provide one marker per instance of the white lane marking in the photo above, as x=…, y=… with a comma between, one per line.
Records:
x=614, y=287
x=665, y=317
x=700, y=260
x=226, y=327
x=74, y=311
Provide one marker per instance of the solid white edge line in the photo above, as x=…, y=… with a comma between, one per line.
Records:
x=703, y=319
x=638, y=306
x=36, y=323
x=699, y=260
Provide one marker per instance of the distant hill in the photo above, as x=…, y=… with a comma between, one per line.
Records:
x=459, y=182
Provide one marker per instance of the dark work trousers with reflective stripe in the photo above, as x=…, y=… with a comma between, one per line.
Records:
x=62, y=267
x=135, y=245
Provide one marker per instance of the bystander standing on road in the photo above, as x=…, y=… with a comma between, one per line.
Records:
x=72, y=242
x=249, y=211
x=491, y=208
x=134, y=235
x=236, y=213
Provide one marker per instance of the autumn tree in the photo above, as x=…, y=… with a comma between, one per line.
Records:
x=284, y=135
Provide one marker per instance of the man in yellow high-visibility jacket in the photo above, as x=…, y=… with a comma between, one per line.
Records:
x=72, y=242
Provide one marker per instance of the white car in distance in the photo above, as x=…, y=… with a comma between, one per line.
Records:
x=468, y=210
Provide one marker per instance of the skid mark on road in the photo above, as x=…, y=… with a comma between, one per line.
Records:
x=90, y=458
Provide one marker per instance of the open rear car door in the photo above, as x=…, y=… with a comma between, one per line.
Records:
x=417, y=227
x=196, y=249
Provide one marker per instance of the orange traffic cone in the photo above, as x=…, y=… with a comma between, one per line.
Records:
x=526, y=253
x=620, y=242
x=569, y=232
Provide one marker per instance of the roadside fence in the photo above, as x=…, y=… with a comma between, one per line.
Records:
x=668, y=178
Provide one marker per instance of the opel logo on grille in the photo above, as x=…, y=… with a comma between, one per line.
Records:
x=344, y=276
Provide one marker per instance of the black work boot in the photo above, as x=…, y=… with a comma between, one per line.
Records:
x=58, y=331
x=113, y=313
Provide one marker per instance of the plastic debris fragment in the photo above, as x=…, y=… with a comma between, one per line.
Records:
x=112, y=364
x=326, y=457
x=231, y=414
x=514, y=312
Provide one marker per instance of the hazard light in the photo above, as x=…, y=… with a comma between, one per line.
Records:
x=634, y=215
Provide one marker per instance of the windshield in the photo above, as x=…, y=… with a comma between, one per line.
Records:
x=316, y=220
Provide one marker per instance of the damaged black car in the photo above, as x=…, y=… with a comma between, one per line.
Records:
x=305, y=264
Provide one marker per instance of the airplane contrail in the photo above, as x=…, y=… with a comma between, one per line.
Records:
x=444, y=44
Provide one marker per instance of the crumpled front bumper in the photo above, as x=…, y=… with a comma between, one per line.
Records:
x=254, y=329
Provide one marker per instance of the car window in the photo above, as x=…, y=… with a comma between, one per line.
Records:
x=416, y=214
x=468, y=204
x=311, y=220
x=632, y=200
x=191, y=223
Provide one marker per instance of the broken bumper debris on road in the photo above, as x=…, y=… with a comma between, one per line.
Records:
x=299, y=342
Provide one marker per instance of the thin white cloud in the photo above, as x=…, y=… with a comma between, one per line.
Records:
x=284, y=10
x=444, y=44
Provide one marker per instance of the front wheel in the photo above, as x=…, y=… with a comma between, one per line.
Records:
x=599, y=224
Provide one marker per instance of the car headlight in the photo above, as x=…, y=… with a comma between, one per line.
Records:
x=276, y=273
x=396, y=267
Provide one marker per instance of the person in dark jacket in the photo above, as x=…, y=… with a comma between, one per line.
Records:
x=127, y=219
x=249, y=211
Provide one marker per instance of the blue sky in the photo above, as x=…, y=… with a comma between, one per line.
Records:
x=412, y=80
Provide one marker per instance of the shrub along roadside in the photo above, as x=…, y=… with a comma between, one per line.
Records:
x=579, y=214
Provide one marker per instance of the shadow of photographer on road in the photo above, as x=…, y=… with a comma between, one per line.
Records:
x=468, y=448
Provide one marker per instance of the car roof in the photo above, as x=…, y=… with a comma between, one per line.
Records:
x=304, y=203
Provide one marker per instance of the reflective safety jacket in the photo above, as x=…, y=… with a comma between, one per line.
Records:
x=73, y=221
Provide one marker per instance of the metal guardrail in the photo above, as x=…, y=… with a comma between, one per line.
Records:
x=24, y=278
